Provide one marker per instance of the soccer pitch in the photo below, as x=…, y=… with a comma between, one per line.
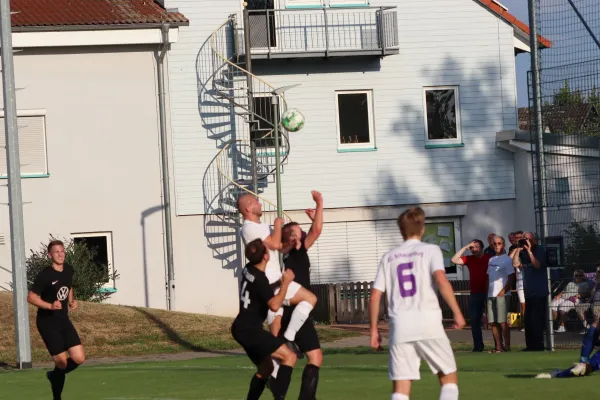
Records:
x=344, y=376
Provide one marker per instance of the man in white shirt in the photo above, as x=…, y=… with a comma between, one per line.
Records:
x=408, y=275
x=303, y=299
x=501, y=276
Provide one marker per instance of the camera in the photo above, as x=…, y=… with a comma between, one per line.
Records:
x=521, y=243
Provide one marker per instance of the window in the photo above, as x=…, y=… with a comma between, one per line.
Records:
x=355, y=120
x=303, y=3
x=442, y=117
x=345, y=3
x=562, y=185
x=265, y=118
x=100, y=243
x=32, y=144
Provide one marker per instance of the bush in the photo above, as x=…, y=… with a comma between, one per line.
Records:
x=583, y=247
x=89, y=275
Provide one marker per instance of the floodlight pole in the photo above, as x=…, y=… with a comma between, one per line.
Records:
x=275, y=102
x=541, y=173
x=15, y=198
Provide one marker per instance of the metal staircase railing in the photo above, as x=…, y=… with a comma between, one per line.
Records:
x=236, y=111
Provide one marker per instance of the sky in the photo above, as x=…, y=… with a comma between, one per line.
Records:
x=518, y=8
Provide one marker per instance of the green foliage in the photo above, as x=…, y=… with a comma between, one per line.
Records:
x=583, y=246
x=89, y=276
x=568, y=97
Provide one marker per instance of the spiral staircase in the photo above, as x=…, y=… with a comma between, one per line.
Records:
x=236, y=112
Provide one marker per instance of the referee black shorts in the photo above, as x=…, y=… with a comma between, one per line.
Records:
x=256, y=342
x=58, y=335
x=307, y=338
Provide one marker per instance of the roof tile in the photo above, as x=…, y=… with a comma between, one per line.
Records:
x=49, y=13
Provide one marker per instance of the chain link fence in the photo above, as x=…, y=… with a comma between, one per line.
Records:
x=567, y=202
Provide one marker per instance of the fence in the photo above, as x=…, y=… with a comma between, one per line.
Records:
x=348, y=303
x=566, y=168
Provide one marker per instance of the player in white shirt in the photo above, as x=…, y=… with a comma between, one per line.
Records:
x=303, y=299
x=408, y=275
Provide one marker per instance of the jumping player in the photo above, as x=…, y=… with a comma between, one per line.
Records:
x=52, y=293
x=295, y=248
x=303, y=299
x=256, y=298
x=407, y=274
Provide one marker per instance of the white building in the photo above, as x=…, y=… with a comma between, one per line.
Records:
x=375, y=78
x=89, y=135
x=372, y=75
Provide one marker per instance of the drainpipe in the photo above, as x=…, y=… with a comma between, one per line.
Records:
x=166, y=193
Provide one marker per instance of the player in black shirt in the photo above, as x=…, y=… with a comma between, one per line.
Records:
x=295, y=248
x=256, y=298
x=52, y=293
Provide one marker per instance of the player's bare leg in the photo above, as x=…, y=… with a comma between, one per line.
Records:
x=449, y=383
x=305, y=301
x=401, y=390
x=275, y=326
x=287, y=358
x=63, y=364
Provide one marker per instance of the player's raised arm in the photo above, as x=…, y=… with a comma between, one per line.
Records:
x=316, y=216
x=273, y=241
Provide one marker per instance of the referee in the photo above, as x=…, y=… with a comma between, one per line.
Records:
x=52, y=294
x=295, y=248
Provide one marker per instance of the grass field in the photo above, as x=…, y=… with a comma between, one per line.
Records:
x=344, y=376
x=109, y=330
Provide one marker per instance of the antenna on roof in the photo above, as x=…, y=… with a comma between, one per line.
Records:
x=500, y=4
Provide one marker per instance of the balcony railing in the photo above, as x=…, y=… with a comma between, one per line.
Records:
x=326, y=32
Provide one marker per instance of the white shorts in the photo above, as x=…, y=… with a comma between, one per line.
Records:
x=405, y=358
x=521, y=294
x=289, y=295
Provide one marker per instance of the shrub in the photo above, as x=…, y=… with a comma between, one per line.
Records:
x=89, y=275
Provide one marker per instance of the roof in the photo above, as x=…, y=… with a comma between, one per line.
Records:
x=560, y=119
x=92, y=13
x=493, y=6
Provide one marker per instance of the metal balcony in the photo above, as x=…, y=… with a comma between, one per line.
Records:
x=323, y=32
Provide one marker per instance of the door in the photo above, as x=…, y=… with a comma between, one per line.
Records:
x=262, y=21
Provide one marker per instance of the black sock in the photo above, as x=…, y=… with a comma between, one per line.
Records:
x=58, y=382
x=257, y=385
x=310, y=380
x=282, y=383
x=71, y=365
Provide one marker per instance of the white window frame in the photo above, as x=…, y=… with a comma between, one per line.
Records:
x=441, y=142
x=304, y=3
x=345, y=3
x=109, y=252
x=30, y=113
x=347, y=146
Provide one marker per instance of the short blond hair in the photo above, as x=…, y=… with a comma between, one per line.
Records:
x=411, y=222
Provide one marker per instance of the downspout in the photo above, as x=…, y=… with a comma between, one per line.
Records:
x=166, y=193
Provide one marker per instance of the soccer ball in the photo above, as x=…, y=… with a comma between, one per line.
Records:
x=292, y=120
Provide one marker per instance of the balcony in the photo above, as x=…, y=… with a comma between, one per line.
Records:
x=323, y=32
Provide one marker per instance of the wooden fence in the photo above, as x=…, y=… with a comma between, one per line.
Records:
x=348, y=303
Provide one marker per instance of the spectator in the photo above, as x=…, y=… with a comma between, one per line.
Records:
x=592, y=307
x=518, y=235
x=531, y=258
x=501, y=275
x=490, y=249
x=477, y=263
x=573, y=294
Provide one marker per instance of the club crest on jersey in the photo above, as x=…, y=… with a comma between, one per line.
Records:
x=62, y=293
x=249, y=277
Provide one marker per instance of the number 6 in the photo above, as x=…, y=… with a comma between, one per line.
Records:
x=404, y=279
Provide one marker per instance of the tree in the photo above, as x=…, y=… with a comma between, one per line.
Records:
x=89, y=276
x=583, y=246
x=567, y=97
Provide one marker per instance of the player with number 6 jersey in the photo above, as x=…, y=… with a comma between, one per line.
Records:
x=408, y=274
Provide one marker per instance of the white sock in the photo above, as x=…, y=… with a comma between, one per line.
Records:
x=399, y=396
x=449, y=392
x=275, y=367
x=299, y=316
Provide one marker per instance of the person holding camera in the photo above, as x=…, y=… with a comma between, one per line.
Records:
x=531, y=259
